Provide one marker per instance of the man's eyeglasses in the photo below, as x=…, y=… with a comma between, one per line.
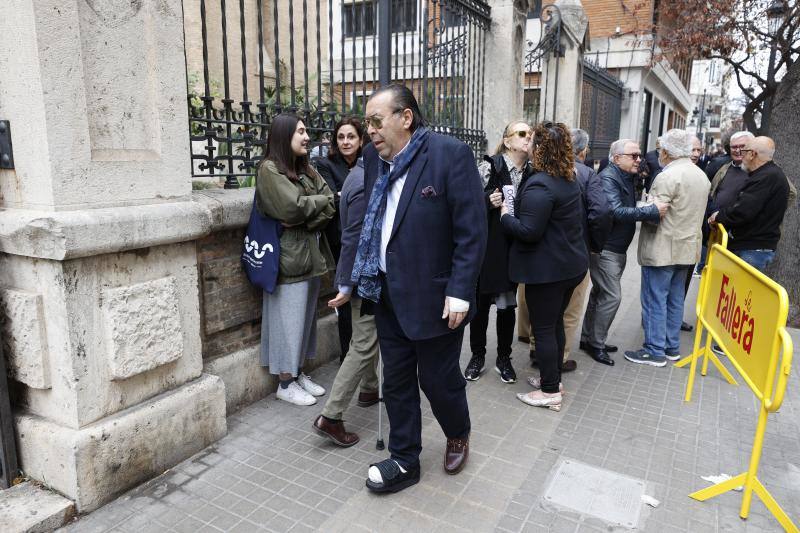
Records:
x=521, y=133
x=745, y=150
x=737, y=148
x=636, y=155
x=376, y=121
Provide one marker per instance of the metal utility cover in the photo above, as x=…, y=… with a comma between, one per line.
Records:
x=598, y=492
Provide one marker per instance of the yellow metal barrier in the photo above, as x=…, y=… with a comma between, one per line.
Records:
x=745, y=312
x=720, y=237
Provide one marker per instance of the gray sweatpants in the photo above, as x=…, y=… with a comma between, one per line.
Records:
x=605, y=270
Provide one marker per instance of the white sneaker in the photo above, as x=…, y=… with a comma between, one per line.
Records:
x=295, y=394
x=309, y=386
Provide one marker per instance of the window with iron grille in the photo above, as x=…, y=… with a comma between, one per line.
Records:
x=404, y=15
x=359, y=18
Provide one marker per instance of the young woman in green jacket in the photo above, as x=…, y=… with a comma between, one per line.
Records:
x=289, y=190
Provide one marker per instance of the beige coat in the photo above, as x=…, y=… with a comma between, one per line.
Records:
x=676, y=240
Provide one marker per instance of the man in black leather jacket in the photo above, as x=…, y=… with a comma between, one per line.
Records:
x=606, y=268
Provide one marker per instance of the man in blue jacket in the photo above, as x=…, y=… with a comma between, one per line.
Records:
x=419, y=257
x=606, y=268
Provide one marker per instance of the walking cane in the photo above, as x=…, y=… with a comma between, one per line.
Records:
x=379, y=444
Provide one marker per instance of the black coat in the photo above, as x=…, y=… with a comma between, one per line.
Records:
x=334, y=171
x=754, y=220
x=653, y=168
x=494, y=272
x=547, y=228
x=597, y=224
x=715, y=164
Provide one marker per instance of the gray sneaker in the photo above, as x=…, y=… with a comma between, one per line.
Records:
x=642, y=357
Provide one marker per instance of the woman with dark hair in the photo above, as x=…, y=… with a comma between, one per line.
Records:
x=289, y=190
x=502, y=172
x=548, y=253
x=345, y=149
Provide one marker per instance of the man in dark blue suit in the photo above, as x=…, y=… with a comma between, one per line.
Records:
x=419, y=256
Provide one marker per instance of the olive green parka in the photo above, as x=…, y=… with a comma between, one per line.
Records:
x=305, y=207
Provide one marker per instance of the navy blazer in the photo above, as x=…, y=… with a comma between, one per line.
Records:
x=547, y=227
x=439, y=237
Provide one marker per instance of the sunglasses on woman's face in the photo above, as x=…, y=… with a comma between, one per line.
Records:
x=521, y=133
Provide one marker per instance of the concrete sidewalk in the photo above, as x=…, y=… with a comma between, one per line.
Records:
x=273, y=473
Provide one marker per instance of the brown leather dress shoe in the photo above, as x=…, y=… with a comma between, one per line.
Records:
x=335, y=431
x=365, y=399
x=455, y=455
x=569, y=365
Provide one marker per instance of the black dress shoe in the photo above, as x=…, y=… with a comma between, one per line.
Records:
x=586, y=347
x=686, y=326
x=601, y=356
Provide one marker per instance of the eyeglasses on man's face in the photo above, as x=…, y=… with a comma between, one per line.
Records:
x=376, y=121
x=635, y=155
x=746, y=150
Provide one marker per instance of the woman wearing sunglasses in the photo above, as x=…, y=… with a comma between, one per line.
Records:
x=502, y=174
x=548, y=252
x=289, y=190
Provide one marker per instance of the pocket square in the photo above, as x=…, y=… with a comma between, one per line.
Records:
x=428, y=192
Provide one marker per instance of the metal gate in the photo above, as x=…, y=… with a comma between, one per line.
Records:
x=538, y=103
x=249, y=60
x=601, y=108
x=8, y=450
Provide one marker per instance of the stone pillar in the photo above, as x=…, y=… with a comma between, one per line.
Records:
x=562, y=77
x=98, y=275
x=505, y=47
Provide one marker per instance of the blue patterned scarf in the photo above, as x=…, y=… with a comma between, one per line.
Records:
x=365, y=267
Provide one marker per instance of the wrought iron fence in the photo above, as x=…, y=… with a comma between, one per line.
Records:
x=250, y=60
x=601, y=108
x=538, y=105
x=8, y=450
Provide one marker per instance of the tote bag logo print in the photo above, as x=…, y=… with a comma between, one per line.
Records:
x=252, y=247
x=263, y=235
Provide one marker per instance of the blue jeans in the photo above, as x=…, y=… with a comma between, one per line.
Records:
x=662, y=298
x=759, y=259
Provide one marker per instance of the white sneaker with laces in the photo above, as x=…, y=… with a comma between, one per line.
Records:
x=309, y=386
x=295, y=394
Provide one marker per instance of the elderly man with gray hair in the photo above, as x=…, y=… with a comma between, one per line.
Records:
x=754, y=217
x=669, y=249
x=606, y=267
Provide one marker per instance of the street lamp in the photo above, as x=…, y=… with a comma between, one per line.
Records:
x=775, y=15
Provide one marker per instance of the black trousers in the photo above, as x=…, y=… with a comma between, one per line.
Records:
x=344, y=321
x=506, y=319
x=546, y=305
x=408, y=365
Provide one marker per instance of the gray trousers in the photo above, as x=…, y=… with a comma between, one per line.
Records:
x=605, y=270
x=359, y=365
